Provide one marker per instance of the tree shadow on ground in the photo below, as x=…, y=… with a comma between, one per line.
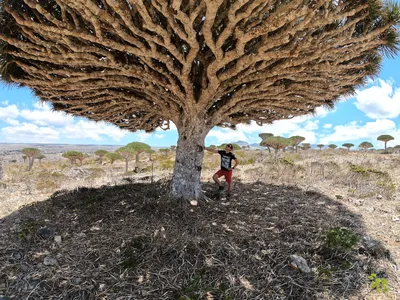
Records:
x=132, y=242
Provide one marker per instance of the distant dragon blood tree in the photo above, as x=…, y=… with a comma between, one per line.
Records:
x=365, y=145
x=385, y=138
x=144, y=64
x=348, y=145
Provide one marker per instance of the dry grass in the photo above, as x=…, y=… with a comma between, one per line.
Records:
x=131, y=242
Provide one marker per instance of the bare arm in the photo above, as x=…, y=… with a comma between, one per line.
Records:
x=211, y=150
x=236, y=163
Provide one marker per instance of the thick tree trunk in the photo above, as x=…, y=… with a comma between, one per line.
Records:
x=188, y=162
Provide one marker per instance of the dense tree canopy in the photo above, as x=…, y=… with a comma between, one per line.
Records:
x=140, y=64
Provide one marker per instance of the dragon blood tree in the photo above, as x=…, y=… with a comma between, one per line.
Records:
x=144, y=64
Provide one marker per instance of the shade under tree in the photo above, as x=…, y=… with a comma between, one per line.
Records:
x=144, y=64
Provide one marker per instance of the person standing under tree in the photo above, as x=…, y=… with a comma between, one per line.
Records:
x=226, y=166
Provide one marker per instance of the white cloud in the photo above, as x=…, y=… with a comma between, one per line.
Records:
x=159, y=136
x=380, y=101
x=302, y=125
x=89, y=129
x=10, y=111
x=11, y=121
x=27, y=132
x=223, y=135
x=327, y=126
x=142, y=136
x=353, y=131
x=46, y=116
x=311, y=125
x=5, y=103
x=310, y=136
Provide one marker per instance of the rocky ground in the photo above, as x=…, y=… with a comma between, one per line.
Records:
x=131, y=242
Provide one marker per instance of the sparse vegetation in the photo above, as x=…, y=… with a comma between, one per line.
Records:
x=358, y=179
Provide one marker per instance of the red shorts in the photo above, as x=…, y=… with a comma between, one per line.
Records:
x=226, y=174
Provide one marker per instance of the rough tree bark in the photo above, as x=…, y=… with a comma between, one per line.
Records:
x=188, y=162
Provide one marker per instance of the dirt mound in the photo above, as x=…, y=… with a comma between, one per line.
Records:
x=132, y=242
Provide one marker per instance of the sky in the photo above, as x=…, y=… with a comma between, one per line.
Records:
x=374, y=110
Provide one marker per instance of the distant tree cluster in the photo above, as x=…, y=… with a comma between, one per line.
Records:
x=278, y=142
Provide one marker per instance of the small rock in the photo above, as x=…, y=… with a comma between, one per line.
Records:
x=49, y=261
x=193, y=203
x=396, y=219
x=373, y=247
x=57, y=239
x=76, y=281
x=379, y=197
x=297, y=262
x=45, y=232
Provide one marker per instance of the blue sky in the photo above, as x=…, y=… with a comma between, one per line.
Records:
x=373, y=111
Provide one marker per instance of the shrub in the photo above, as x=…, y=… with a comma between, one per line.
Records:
x=341, y=239
x=47, y=186
x=379, y=284
x=286, y=161
x=366, y=171
x=167, y=165
x=96, y=172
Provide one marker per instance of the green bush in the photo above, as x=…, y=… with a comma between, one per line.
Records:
x=286, y=161
x=379, y=284
x=341, y=239
x=367, y=171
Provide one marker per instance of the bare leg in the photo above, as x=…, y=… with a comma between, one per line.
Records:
x=216, y=180
x=229, y=187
